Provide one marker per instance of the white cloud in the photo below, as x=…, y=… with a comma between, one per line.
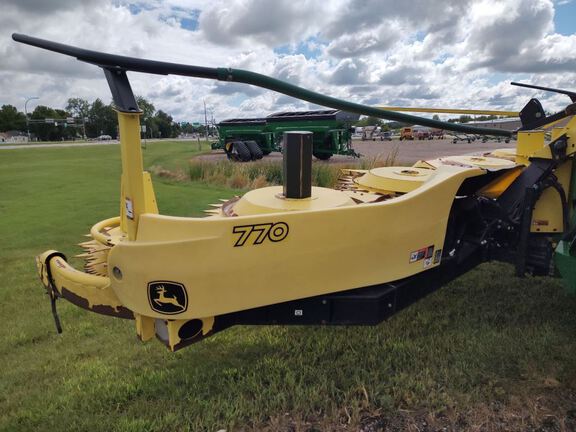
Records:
x=417, y=52
x=260, y=22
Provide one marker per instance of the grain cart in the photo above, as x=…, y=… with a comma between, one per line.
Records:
x=273, y=256
x=240, y=138
x=245, y=139
x=331, y=129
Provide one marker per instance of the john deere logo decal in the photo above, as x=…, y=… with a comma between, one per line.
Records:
x=167, y=297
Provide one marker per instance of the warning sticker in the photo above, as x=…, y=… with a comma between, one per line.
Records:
x=437, y=256
x=129, y=209
x=427, y=262
x=421, y=254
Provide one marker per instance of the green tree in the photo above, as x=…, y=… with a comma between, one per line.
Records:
x=77, y=107
x=47, y=131
x=80, y=109
x=102, y=120
x=147, y=118
x=146, y=107
x=66, y=131
x=166, y=126
x=369, y=121
x=397, y=125
x=462, y=119
x=187, y=127
x=11, y=119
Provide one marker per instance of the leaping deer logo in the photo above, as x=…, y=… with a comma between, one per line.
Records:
x=167, y=297
x=164, y=299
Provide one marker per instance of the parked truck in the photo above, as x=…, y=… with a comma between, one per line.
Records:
x=370, y=133
x=407, y=133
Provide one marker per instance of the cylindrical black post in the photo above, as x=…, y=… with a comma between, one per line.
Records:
x=297, y=164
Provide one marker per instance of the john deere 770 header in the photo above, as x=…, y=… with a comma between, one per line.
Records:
x=274, y=255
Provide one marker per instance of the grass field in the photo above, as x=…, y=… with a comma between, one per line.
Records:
x=488, y=352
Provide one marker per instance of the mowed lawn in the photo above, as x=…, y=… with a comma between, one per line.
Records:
x=488, y=352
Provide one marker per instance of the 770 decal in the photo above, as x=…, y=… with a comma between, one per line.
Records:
x=258, y=233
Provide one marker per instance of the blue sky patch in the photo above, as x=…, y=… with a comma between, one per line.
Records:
x=188, y=17
x=565, y=17
x=442, y=58
x=190, y=24
x=136, y=8
x=311, y=48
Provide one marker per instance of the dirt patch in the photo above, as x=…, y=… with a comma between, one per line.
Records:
x=548, y=411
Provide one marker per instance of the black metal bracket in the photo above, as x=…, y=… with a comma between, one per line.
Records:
x=530, y=198
x=571, y=95
x=558, y=147
x=532, y=112
x=122, y=94
x=362, y=306
x=543, y=120
x=533, y=116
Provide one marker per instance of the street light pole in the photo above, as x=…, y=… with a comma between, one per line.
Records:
x=212, y=123
x=205, y=122
x=26, y=114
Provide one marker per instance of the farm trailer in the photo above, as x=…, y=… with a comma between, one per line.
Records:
x=250, y=139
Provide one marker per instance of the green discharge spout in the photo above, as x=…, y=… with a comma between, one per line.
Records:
x=264, y=81
x=114, y=62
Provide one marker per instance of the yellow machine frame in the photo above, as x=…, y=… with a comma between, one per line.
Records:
x=261, y=257
x=145, y=246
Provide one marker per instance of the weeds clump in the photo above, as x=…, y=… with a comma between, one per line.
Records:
x=252, y=175
x=196, y=172
x=238, y=181
x=325, y=175
x=178, y=175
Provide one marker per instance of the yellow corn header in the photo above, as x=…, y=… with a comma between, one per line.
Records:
x=276, y=254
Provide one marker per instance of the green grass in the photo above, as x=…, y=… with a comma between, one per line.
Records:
x=487, y=349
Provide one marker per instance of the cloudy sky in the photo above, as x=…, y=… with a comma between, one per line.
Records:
x=443, y=53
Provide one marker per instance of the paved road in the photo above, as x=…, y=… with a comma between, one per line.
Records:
x=87, y=143
x=407, y=151
x=64, y=144
x=411, y=151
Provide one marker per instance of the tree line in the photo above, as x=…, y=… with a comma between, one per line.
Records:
x=89, y=120
x=374, y=121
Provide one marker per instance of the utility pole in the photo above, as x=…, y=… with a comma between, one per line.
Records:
x=205, y=122
x=84, y=126
x=212, y=122
x=26, y=114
